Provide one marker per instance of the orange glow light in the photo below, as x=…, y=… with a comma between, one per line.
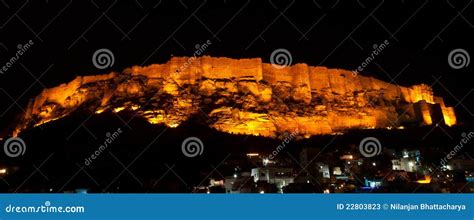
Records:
x=427, y=180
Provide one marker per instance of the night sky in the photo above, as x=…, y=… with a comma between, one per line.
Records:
x=339, y=34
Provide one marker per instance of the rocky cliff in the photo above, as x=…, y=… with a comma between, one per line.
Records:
x=244, y=96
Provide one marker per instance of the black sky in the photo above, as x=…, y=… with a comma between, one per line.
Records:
x=338, y=34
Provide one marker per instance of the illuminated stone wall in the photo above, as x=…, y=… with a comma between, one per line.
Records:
x=246, y=96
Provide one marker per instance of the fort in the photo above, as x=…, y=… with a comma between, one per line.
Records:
x=247, y=97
